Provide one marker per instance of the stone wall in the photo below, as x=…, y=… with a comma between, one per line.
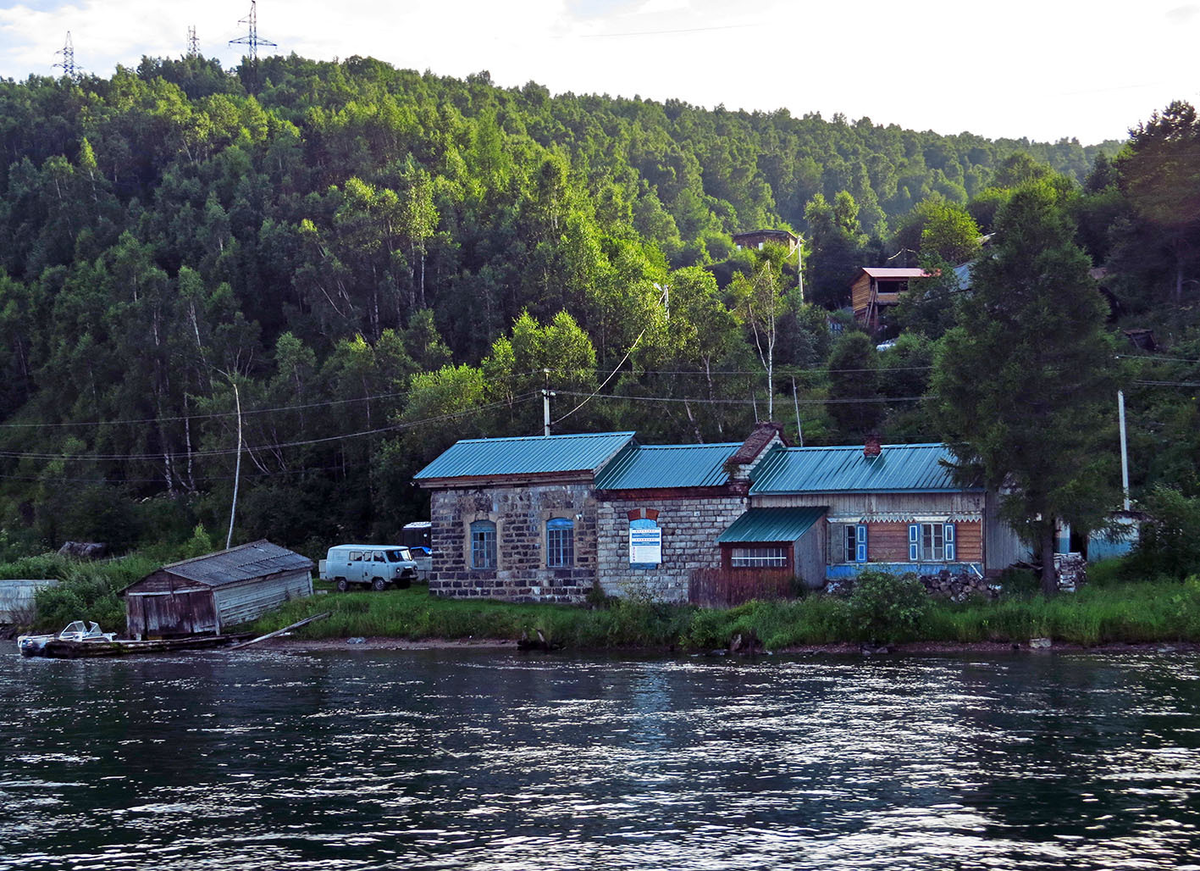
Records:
x=520, y=514
x=690, y=527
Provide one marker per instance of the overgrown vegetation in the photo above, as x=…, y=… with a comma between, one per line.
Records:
x=887, y=608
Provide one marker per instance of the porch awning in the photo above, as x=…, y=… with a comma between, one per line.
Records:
x=771, y=524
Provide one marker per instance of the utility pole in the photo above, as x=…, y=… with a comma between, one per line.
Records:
x=193, y=49
x=68, y=61
x=1124, y=448
x=800, y=267
x=546, y=394
x=237, y=469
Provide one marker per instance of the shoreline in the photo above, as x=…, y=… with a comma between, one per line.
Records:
x=841, y=648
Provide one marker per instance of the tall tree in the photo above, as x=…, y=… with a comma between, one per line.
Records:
x=1023, y=384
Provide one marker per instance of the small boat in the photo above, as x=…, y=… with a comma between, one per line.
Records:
x=76, y=631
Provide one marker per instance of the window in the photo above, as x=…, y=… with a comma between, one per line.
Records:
x=356, y=556
x=931, y=542
x=758, y=558
x=560, y=543
x=849, y=542
x=483, y=544
x=379, y=556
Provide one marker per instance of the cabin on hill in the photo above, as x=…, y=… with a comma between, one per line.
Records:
x=876, y=288
x=550, y=518
x=208, y=594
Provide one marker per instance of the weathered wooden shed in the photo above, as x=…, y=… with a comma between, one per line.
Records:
x=208, y=594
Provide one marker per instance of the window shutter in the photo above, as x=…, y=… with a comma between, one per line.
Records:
x=860, y=540
x=914, y=542
x=949, y=534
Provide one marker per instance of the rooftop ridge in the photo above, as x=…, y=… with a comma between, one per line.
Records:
x=184, y=562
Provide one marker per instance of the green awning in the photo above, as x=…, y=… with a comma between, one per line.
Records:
x=771, y=524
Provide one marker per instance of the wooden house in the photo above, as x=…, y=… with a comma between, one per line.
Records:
x=875, y=289
x=209, y=594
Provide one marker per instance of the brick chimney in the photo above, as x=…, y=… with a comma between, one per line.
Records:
x=872, y=448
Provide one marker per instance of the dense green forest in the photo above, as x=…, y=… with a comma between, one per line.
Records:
x=371, y=263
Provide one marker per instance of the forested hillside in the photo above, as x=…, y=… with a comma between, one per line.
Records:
x=381, y=262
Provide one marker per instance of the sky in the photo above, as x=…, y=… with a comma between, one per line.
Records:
x=1038, y=69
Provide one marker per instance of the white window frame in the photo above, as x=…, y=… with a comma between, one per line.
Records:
x=758, y=558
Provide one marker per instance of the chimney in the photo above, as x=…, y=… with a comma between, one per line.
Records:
x=872, y=448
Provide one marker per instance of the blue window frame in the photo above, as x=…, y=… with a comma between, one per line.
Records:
x=483, y=544
x=560, y=543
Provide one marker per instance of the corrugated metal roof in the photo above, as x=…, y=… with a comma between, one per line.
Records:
x=771, y=524
x=527, y=455
x=845, y=470
x=652, y=466
x=239, y=564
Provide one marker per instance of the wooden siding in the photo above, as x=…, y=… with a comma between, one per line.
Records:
x=809, y=555
x=860, y=293
x=887, y=542
x=166, y=614
x=1002, y=545
x=249, y=600
x=968, y=542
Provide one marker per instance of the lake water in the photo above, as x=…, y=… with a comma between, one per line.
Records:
x=364, y=759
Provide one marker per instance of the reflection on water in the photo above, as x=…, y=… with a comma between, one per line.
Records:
x=452, y=759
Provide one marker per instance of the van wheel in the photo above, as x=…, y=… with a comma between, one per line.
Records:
x=342, y=585
x=378, y=585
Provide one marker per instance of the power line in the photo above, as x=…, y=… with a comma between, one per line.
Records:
x=219, y=452
x=745, y=401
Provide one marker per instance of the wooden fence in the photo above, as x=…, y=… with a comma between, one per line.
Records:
x=724, y=588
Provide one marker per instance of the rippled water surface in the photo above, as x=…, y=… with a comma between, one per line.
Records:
x=451, y=759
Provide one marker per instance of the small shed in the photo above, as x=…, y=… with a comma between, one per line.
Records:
x=207, y=594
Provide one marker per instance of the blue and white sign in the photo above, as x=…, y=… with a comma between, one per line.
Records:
x=645, y=546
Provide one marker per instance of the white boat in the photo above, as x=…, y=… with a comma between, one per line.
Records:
x=77, y=630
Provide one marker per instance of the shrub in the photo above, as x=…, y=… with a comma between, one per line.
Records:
x=886, y=607
x=1170, y=543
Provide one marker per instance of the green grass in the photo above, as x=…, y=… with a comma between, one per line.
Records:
x=1161, y=611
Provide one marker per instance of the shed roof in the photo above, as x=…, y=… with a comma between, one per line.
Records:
x=646, y=467
x=241, y=563
x=894, y=272
x=898, y=468
x=526, y=455
x=771, y=524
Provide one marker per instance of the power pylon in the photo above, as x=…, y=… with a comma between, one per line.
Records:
x=193, y=49
x=68, y=61
x=252, y=38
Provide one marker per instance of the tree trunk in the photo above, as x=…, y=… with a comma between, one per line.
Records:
x=1046, y=545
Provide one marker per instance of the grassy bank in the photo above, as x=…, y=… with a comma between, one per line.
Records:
x=1163, y=611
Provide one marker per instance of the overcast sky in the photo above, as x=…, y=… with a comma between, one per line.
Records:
x=1043, y=69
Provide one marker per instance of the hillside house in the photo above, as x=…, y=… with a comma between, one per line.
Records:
x=550, y=518
x=875, y=289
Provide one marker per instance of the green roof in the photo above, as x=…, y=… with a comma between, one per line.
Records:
x=771, y=524
x=528, y=455
x=911, y=468
x=645, y=467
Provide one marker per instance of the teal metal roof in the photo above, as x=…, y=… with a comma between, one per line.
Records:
x=528, y=455
x=645, y=467
x=898, y=468
x=771, y=524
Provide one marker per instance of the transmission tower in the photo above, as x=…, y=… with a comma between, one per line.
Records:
x=68, y=55
x=193, y=43
x=251, y=38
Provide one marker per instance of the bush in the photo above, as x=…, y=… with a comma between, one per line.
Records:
x=1170, y=543
x=886, y=607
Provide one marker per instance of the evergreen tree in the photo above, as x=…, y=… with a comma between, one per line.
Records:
x=1024, y=383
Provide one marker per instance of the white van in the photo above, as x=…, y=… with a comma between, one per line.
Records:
x=377, y=566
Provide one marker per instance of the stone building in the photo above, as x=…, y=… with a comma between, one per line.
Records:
x=550, y=518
